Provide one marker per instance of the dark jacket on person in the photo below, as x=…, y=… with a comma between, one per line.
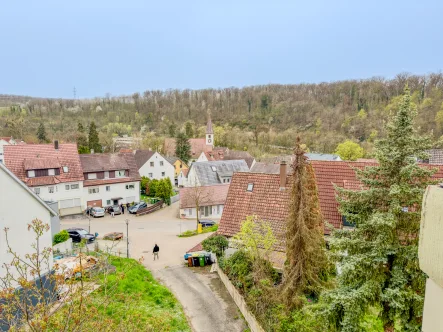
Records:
x=156, y=249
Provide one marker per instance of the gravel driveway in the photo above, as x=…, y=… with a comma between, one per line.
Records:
x=205, y=300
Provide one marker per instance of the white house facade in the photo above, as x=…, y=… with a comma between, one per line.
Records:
x=52, y=171
x=182, y=178
x=110, y=179
x=5, y=141
x=153, y=165
x=19, y=205
x=211, y=201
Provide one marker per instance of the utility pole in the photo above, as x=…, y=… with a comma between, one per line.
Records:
x=127, y=238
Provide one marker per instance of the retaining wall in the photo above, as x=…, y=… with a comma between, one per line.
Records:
x=64, y=247
x=240, y=302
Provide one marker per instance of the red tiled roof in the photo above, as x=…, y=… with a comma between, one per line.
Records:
x=41, y=163
x=197, y=247
x=266, y=200
x=67, y=155
x=198, y=145
x=7, y=139
x=222, y=153
x=142, y=156
x=42, y=181
x=210, y=195
x=109, y=162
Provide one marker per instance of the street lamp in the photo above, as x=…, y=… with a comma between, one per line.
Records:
x=127, y=238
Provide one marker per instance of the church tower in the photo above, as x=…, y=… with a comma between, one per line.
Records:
x=209, y=135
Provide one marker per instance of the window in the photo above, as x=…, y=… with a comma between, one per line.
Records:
x=250, y=187
x=107, y=175
x=120, y=174
x=93, y=190
x=31, y=174
x=51, y=190
x=108, y=188
x=214, y=169
x=67, y=187
x=74, y=186
x=161, y=163
x=224, y=180
x=92, y=176
x=228, y=180
x=108, y=202
x=181, y=165
x=209, y=136
x=150, y=175
x=130, y=186
x=37, y=191
x=51, y=172
x=151, y=164
x=218, y=209
x=163, y=173
x=65, y=169
x=190, y=212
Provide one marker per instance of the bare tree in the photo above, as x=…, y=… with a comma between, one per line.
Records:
x=200, y=196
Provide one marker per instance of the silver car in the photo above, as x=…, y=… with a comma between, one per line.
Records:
x=97, y=212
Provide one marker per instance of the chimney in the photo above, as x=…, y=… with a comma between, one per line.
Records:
x=283, y=174
x=56, y=144
x=92, y=151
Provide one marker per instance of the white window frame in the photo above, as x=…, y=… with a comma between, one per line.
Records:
x=37, y=191
x=106, y=174
x=31, y=174
x=130, y=186
x=250, y=187
x=108, y=188
x=161, y=163
x=118, y=174
x=163, y=173
x=67, y=187
x=151, y=164
x=190, y=212
x=108, y=202
x=51, y=189
x=75, y=186
x=51, y=171
x=92, y=176
x=150, y=175
x=65, y=169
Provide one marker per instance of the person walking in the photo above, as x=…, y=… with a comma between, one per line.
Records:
x=155, y=251
x=123, y=208
x=112, y=211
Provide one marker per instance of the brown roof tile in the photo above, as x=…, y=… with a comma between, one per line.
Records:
x=66, y=155
x=142, y=156
x=211, y=195
x=41, y=163
x=198, y=145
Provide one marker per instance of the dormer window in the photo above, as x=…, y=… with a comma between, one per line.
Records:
x=51, y=171
x=65, y=169
x=31, y=174
x=250, y=187
x=214, y=169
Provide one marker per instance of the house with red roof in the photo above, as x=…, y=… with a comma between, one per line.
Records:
x=52, y=171
x=211, y=201
x=6, y=141
x=110, y=179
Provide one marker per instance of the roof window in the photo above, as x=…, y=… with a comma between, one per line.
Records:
x=214, y=169
x=250, y=187
x=65, y=169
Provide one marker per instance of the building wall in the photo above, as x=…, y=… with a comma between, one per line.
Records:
x=116, y=190
x=2, y=143
x=177, y=167
x=181, y=180
x=61, y=193
x=191, y=213
x=18, y=208
x=202, y=157
x=156, y=170
x=192, y=178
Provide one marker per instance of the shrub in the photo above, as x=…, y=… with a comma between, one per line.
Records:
x=215, y=244
x=61, y=237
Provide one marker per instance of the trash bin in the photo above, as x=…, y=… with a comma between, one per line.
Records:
x=190, y=261
x=208, y=260
x=202, y=260
x=195, y=261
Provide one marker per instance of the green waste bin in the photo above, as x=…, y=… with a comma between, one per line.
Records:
x=202, y=260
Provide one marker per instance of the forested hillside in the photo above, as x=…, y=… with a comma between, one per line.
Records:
x=257, y=118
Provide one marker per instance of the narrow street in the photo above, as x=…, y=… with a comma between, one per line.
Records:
x=205, y=300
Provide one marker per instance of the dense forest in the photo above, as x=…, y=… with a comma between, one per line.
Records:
x=263, y=119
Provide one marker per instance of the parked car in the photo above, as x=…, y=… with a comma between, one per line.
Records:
x=137, y=206
x=78, y=234
x=115, y=208
x=206, y=222
x=97, y=212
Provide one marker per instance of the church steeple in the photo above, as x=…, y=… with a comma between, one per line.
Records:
x=209, y=133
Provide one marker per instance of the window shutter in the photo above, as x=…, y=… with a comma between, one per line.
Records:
x=112, y=174
x=126, y=172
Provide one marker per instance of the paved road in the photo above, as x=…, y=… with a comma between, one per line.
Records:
x=205, y=300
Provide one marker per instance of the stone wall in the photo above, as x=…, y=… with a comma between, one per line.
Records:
x=240, y=302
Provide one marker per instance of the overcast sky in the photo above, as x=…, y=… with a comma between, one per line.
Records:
x=119, y=47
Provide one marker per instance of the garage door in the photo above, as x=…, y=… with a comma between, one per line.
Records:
x=97, y=202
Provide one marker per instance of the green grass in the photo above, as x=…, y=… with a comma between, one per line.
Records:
x=151, y=302
x=194, y=232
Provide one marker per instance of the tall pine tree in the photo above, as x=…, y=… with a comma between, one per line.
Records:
x=93, y=140
x=182, y=147
x=82, y=140
x=305, y=245
x=379, y=258
x=41, y=133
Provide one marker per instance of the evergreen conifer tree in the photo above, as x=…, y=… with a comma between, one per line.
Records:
x=379, y=258
x=82, y=140
x=93, y=140
x=305, y=245
x=182, y=147
x=41, y=133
